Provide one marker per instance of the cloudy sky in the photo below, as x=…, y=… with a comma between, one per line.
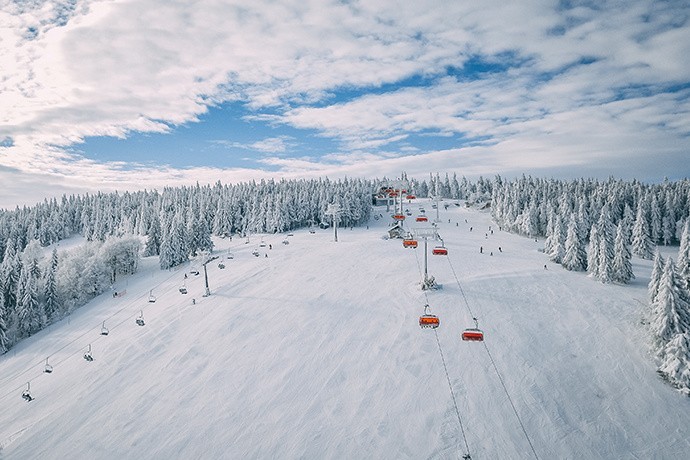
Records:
x=131, y=94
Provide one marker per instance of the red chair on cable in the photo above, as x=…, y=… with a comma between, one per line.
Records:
x=473, y=334
x=440, y=251
x=428, y=320
x=410, y=244
x=422, y=219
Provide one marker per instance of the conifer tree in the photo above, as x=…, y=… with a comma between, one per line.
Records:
x=558, y=241
x=622, y=267
x=655, y=220
x=29, y=317
x=684, y=253
x=4, y=338
x=672, y=308
x=641, y=242
x=575, y=256
x=153, y=240
x=655, y=280
x=675, y=362
x=52, y=302
x=593, y=252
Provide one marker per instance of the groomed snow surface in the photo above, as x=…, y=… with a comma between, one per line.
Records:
x=316, y=352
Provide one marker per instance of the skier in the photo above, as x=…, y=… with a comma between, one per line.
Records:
x=470, y=228
x=545, y=267
x=499, y=249
x=270, y=246
x=481, y=250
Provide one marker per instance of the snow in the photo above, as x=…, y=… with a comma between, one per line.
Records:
x=316, y=352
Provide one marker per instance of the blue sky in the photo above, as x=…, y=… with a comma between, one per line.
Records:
x=114, y=95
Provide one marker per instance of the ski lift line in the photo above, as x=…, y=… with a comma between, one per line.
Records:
x=493, y=363
x=452, y=394
x=41, y=363
x=445, y=368
x=517, y=415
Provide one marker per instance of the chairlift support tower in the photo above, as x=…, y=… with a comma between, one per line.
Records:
x=426, y=233
x=437, y=198
x=207, y=260
x=333, y=211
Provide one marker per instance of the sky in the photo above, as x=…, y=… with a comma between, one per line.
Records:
x=132, y=94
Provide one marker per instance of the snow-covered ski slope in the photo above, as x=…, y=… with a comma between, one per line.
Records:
x=316, y=352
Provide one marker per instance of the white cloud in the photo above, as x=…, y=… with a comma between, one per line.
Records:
x=90, y=68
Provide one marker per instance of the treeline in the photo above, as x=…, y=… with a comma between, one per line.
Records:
x=591, y=225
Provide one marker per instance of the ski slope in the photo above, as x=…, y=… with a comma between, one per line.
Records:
x=315, y=352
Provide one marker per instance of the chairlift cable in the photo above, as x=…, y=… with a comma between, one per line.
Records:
x=9, y=379
x=493, y=363
x=452, y=393
x=445, y=369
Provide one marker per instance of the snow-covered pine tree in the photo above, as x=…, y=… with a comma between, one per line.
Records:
x=558, y=241
x=153, y=240
x=575, y=256
x=30, y=317
x=675, y=362
x=593, y=252
x=51, y=299
x=622, y=267
x=655, y=220
x=605, y=260
x=683, y=263
x=4, y=338
x=671, y=309
x=655, y=279
x=11, y=267
x=166, y=257
x=641, y=242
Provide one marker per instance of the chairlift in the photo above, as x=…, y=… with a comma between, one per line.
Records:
x=427, y=320
x=262, y=244
x=104, y=330
x=398, y=217
x=285, y=241
x=48, y=369
x=422, y=219
x=255, y=253
x=230, y=255
x=87, y=355
x=422, y=210
x=26, y=394
x=221, y=266
x=194, y=272
x=473, y=334
x=290, y=234
x=312, y=231
x=183, y=288
x=408, y=212
x=440, y=251
x=140, y=319
x=152, y=298
x=409, y=243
